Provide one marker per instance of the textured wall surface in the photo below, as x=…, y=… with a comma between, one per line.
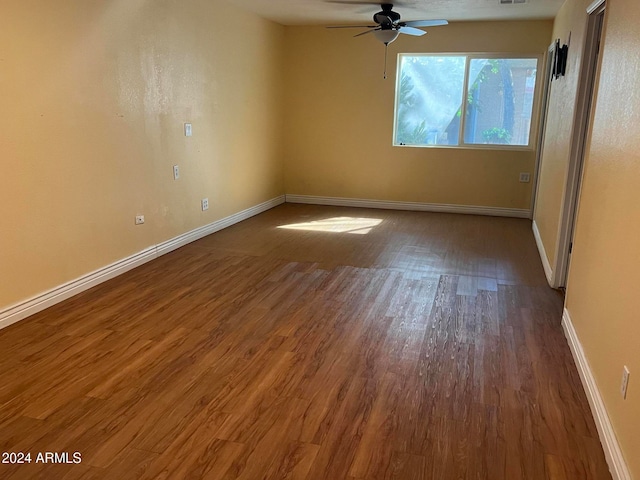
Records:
x=339, y=120
x=602, y=292
x=571, y=20
x=94, y=97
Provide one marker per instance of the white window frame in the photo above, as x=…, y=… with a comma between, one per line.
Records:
x=535, y=111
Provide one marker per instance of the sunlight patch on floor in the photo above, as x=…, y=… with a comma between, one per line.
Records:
x=356, y=226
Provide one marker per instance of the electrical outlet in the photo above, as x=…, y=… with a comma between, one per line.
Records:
x=525, y=177
x=205, y=204
x=139, y=219
x=625, y=382
x=187, y=130
x=176, y=172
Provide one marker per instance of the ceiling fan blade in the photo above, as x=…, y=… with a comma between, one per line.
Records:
x=424, y=23
x=416, y=32
x=353, y=26
x=368, y=31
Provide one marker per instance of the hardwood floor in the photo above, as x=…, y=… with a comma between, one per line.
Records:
x=427, y=346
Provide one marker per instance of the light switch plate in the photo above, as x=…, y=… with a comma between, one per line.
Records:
x=625, y=382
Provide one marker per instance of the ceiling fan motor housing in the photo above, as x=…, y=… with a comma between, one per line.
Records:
x=386, y=17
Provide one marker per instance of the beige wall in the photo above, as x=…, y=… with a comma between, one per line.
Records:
x=571, y=19
x=602, y=291
x=94, y=95
x=339, y=120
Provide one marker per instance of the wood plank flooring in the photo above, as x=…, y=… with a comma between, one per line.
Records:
x=427, y=346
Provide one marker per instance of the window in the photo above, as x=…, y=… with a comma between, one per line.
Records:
x=469, y=100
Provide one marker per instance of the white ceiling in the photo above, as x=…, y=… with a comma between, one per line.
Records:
x=330, y=12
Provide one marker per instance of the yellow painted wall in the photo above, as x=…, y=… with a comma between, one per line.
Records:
x=339, y=120
x=93, y=97
x=604, y=277
x=572, y=18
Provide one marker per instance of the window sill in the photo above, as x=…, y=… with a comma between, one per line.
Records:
x=511, y=148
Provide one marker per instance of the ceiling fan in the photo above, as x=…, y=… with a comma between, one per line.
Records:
x=388, y=25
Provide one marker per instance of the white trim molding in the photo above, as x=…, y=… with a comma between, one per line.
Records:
x=24, y=309
x=49, y=298
x=594, y=6
x=198, y=233
x=610, y=445
x=548, y=271
x=411, y=206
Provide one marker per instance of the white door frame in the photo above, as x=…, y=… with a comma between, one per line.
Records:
x=586, y=90
x=544, y=111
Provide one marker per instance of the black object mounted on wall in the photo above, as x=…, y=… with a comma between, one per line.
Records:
x=560, y=54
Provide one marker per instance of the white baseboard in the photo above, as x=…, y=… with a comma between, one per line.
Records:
x=26, y=308
x=412, y=206
x=198, y=233
x=548, y=271
x=612, y=451
x=38, y=303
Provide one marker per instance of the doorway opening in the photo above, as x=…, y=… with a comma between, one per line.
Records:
x=584, y=110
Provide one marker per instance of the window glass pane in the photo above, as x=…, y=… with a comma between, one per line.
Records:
x=500, y=101
x=429, y=100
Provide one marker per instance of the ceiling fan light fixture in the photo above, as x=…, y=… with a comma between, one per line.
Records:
x=386, y=36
